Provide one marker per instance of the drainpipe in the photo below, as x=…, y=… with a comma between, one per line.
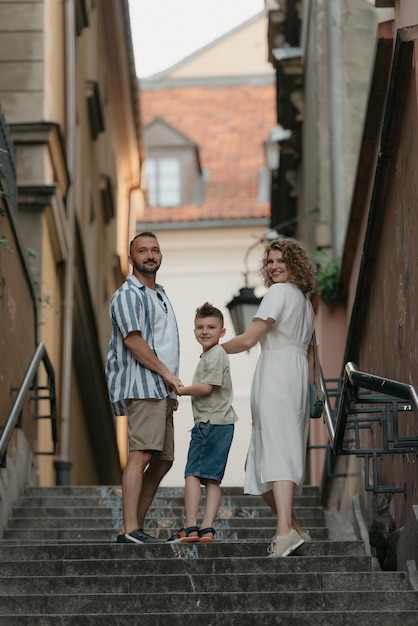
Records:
x=63, y=462
x=336, y=109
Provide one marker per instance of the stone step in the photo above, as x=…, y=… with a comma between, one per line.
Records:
x=60, y=565
x=136, y=564
x=392, y=617
x=45, y=522
x=45, y=501
x=164, y=550
x=166, y=492
x=247, y=513
x=196, y=583
x=203, y=602
x=107, y=534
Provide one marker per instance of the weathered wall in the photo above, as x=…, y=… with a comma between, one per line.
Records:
x=17, y=324
x=389, y=346
x=17, y=346
x=326, y=112
x=19, y=473
x=34, y=96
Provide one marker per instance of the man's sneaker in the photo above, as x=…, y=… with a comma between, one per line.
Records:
x=283, y=545
x=184, y=535
x=136, y=536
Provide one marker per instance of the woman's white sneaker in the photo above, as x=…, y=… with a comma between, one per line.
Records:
x=283, y=545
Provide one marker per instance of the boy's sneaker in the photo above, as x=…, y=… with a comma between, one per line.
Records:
x=136, y=536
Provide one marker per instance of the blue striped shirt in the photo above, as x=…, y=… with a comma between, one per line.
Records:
x=132, y=309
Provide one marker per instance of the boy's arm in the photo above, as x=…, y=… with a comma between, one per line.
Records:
x=199, y=389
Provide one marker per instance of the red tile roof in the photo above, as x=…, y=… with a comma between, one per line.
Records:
x=229, y=125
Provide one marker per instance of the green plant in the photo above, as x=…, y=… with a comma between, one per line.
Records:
x=4, y=243
x=327, y=276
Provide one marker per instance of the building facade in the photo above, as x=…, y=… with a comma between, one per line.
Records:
x=71, y=109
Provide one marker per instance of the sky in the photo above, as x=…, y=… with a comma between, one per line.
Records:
x=166, y=31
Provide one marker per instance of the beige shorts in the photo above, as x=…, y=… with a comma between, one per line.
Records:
x=150, y=427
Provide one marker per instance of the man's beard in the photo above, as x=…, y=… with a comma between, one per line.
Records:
x=143, y=269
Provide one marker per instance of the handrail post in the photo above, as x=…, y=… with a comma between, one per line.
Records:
x=327, y=410
x=18, y=404
x=39, y=356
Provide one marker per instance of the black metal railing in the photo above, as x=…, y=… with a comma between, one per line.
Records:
x=38, y=393
x=365, y=403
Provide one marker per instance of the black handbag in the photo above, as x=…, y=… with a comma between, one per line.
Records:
x=316, y=397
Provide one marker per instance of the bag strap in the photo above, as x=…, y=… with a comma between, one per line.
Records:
x=317, y=368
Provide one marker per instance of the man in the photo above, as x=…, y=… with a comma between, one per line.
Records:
x=142, y=374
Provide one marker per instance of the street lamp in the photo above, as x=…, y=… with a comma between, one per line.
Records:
x=243, y=307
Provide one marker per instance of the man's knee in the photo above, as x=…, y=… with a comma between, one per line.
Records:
x=140, y=458
x=159, y=468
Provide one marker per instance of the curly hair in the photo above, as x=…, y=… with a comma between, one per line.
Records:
x=298, y=262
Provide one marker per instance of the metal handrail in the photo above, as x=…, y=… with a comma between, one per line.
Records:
x=356, y=379
x=40, y=356
x=387, y=398
x=327, y=414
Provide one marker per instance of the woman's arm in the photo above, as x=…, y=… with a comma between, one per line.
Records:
x=255, y=331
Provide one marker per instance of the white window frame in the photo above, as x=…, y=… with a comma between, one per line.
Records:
x=164, y=181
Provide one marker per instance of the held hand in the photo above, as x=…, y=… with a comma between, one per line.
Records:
x=173, y=382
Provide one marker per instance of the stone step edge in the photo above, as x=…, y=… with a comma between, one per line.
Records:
x=260, y=618
x=321, y=577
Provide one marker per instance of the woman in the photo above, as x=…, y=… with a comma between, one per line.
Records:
x=283, y=325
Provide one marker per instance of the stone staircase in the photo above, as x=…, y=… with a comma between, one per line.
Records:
x=60, y=565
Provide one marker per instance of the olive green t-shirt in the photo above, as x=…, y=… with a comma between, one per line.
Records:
x=213, y=369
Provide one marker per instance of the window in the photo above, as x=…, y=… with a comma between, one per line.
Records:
x=81, y=16
x=164, y=183
x=95, y=109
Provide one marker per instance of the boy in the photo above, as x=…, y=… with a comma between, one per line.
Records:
x=211, y=436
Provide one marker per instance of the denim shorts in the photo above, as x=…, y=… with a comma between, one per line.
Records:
x=208, y=450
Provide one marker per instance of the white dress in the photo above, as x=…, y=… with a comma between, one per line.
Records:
x=280, y=392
